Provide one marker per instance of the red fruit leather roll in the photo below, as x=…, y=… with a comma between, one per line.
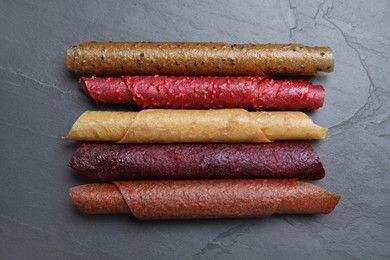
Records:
x=109, y=162
x=260, y=93
x=185, y=199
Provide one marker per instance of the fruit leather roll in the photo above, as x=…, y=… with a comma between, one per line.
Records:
x=109, y=162
x=259, y=93
x=194, y=126
x=195, y=59
x=185, y=199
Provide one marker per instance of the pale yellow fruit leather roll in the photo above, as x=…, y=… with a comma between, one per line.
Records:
x=194, y=126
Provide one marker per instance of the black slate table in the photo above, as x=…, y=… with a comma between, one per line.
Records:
x=40, y=101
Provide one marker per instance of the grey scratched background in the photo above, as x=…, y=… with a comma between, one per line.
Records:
x=40, y=101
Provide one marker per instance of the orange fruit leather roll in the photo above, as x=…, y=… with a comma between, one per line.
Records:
x=186, y=199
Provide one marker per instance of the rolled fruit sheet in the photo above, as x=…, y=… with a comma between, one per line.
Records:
x=194, y=126
x=258, y=93
x=186, y=199
x=196, y=59
x=112, y=162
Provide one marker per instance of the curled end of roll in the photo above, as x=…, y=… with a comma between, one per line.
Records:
x=314, y=170
x=318, y=174
x=323, y=59
x=98, y=199
x=80, y=128
x=70, y=58
x=308, y=199
x=73, y=133
x=335, y=199
x=328, y=201
x=318, y=96
x=322, y=132
x=84, y=87
x=318, y=132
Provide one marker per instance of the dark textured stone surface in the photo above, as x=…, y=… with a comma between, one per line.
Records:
x=40, y=101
